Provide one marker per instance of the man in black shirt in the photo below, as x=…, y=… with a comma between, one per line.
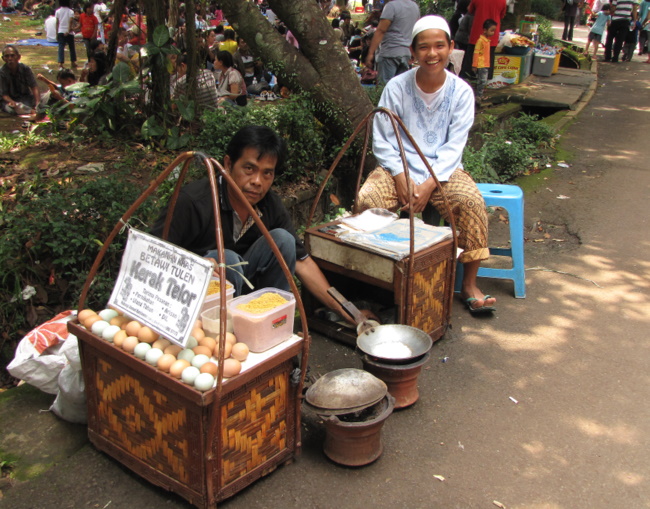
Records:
x=253, y=157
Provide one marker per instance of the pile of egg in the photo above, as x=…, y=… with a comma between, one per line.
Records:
x=195, y=364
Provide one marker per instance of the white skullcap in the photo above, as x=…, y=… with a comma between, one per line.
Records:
x=429, y=22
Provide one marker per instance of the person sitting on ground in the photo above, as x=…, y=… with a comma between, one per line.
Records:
x=95, y=73
x=346, y=27
x=97, y=46
x=336, y=26
x=231, y=87
x=254, y=157
x=206, y=87
x=229, y=43
x=50, y=29
x=19, y=93
x=437, y=108
x=602, y=22
x=59, y=93
x=247, y=65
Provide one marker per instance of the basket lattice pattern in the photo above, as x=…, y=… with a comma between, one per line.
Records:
x=427, y=302
x=254, y=427
x=143, y=421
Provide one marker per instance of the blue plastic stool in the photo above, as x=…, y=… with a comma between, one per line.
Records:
x=510, y=198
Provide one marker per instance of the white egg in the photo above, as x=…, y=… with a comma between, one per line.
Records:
x=189, y=375
x=110, y=331
x=199, y=360
x=204, y=382
x=108, y=314
x=99, y=326
x=152, y=355
x=141, y=350
x=191, y=342
x=186, y=354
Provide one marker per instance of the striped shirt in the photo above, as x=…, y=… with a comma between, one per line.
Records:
x=623, y=9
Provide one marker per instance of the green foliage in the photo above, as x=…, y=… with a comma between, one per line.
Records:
x=444, y=8
x=105, y=111
x=510, y=152
x=51, y=234
x=308, y=143
x=551, y=9
x=545, y=30
x=374, y=93
x=9, y=141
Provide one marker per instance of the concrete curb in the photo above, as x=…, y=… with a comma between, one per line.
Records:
x=580, y=105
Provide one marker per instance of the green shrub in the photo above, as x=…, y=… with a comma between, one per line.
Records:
x=545, y=31
x=309, y=146
x=51, y=234
x=551, y=9
x=510, y=152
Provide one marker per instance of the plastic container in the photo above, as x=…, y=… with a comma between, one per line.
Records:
x=556, y=63
x=215, y=298
x=211, y=321
x=265, y=330
x=543, y=65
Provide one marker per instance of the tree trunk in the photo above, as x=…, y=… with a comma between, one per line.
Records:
x=156, y=12
x=190, y=47
x=321, y=67
x=118, y=10
x=173, y=14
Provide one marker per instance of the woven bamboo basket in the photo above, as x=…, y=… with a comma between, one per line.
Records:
x=203, y=446
x=421, y=286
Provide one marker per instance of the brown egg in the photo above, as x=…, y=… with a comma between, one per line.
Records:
x=119, y=338
x=210, y=367
x=176, y=369
x=132, y=328
x=202, y=350
x=173, y=349
x=120, y=321
x=230, y=337
x=198, y=333
x=198, y=324
x=211, y=343
x=239, y=351
x=165, y=362
x=161, y=343
x=231, y=367
x=146, y=335
x=88, y=322
x=85, y=313
x=129, y=344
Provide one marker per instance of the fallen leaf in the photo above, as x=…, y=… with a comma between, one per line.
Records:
x=538, y=240
x=334, y=199
x=503, y=218
x=547, y=235
x=563, y=197
x=559, y=240
x=498, y=504
x=439, y=477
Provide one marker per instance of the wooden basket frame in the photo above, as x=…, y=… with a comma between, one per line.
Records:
x=397, y=125
x=211, y=165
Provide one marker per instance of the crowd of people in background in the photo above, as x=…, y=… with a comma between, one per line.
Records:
x=378, y=45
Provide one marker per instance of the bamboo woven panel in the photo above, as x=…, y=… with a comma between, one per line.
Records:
x=426, y=305
x=254, y=426
x=146, y=423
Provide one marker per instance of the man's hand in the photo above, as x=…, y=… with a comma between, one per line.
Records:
x=402, y=190
x=370, y=60
x=422, y=194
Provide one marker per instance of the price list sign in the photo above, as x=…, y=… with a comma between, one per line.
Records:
x=161, y=285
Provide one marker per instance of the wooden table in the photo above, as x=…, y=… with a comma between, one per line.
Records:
x=422, y=299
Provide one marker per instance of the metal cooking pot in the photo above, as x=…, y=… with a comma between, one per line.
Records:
x=394, y=343
x=386, y=343
x=345, y=391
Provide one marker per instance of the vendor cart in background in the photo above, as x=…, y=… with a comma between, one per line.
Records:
x=204, y=446
x=420, y=286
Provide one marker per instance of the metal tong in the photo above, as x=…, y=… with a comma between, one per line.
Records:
x=363, y=323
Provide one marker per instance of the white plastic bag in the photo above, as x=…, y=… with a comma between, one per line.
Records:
x=38, y=360
x=70, y=402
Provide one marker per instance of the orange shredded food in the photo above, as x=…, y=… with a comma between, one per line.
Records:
x=265, y=302
x=214, y=287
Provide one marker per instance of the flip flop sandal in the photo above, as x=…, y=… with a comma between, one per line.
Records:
x=480, y=310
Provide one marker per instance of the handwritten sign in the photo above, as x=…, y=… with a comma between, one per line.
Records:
x=161, y=285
